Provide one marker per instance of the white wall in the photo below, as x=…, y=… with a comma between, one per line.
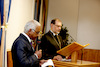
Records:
x=67, y=12
x=82, y=17
x=89, y=23
x=20, y=13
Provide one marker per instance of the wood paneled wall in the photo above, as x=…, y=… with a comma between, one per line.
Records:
x=89, y=55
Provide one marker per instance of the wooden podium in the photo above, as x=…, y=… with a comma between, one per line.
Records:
x=72, y=49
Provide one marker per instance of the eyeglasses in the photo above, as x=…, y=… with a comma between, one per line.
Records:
x=35, y=31
x=57, y=25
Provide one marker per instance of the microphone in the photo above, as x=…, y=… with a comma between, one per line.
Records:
x=38, y=40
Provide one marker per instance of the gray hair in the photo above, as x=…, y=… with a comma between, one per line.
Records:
x=31, y=25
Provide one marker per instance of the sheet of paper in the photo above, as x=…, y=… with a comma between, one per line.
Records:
x=66, y=60
x=48, y=63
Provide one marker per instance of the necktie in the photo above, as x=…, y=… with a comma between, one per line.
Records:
x=56, y=38
x=33, y=45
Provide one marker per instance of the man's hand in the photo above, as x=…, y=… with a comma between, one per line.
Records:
x=58, y=57
x=39, y=53
x=67, y=57
x=42, y=61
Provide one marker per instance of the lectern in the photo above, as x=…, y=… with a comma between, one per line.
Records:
x=72, y=49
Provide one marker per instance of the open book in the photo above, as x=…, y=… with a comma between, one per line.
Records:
x=68, y=50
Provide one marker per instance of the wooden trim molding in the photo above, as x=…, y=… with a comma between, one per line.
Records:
x=9, y=59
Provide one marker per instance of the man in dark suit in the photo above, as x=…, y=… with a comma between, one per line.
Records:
x=23, y=53
x=52, y=41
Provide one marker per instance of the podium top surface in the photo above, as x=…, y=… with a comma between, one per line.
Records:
x=79, y=63
x=68, y=50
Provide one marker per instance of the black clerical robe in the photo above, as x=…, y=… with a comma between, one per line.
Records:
x=49, y=46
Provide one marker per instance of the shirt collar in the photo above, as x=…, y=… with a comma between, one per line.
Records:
x=53, y=33
x=26, y=36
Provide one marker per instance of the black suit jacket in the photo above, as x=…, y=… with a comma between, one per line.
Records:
x=23, y=54
x=49, y=46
